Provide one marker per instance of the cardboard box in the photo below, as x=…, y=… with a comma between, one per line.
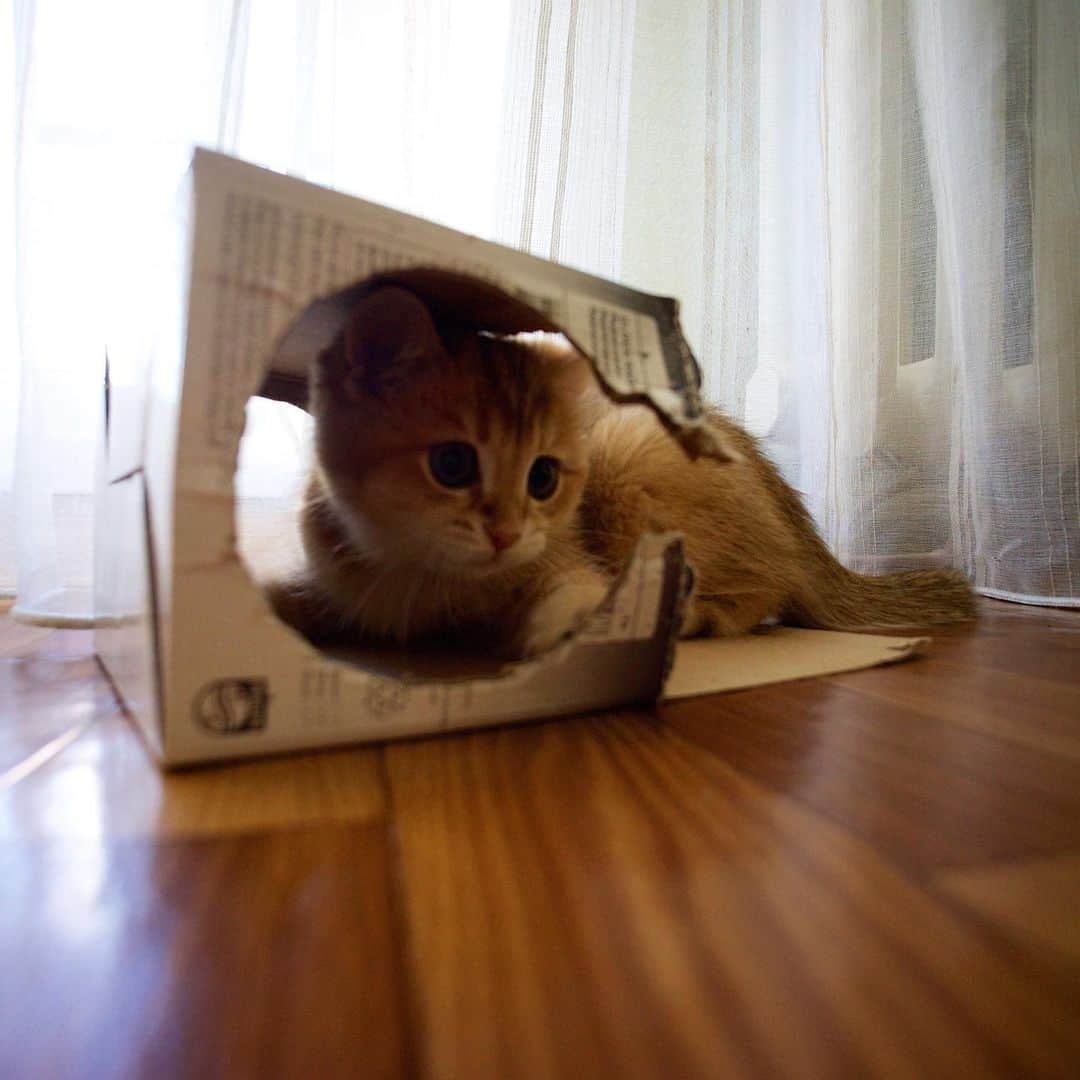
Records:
x=270, y=266
x=203, y=665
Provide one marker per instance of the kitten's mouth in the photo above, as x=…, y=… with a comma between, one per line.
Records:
x=478, y=561
x=493, y=564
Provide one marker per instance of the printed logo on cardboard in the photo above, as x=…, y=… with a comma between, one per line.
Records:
x=233, y=706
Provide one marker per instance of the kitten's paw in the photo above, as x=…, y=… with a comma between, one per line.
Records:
x=561, y=613
x=299, y=602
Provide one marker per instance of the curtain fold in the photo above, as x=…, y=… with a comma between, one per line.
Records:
x=398, y=102
x=888, y=292
x=867, y=208
x=563, y=149
x=998, y=87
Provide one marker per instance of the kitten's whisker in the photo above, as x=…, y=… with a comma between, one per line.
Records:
x=374, y=584
x=409, y=607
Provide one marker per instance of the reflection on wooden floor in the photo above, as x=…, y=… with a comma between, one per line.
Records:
x=874, y=873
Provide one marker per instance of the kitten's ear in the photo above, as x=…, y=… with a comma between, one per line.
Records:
x=571, y=369
x=389, y=334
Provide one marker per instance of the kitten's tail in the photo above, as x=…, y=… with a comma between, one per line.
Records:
x=837, y=599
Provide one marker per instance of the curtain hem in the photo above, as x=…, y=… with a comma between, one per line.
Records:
x=51, y=619
x=1026, y=598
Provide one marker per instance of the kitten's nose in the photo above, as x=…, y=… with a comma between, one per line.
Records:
x=501, y=539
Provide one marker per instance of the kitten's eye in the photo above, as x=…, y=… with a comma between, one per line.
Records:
x=543, y=478
x=454, y=464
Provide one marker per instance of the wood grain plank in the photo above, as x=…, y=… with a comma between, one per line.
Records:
x=49, y=684
x=1036, y=901
x=1051, y=654
x=254, y=955
x=753, y=887
x=30, y=640
x=1022, y=619
x=19, y=638
x=106, y=783
x=613, y=901
x=1026, y=710
x=926, y=791
x=204, y=946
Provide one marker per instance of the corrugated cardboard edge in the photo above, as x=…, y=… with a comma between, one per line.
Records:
x=782, y=654
x=461, y=299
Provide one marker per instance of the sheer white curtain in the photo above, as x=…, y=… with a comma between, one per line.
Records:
x=398, y=101
x=871, y=209
x=868, y=207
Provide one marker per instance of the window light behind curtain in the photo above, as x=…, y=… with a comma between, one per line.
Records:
x=868, y=208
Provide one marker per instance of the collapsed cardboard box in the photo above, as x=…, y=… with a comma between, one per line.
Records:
x=271, y=266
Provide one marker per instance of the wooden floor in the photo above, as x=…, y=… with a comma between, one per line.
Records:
x=868, y=874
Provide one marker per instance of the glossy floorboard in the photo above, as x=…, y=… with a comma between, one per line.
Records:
x=875, y=873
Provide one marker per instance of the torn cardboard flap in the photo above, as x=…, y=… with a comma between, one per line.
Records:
x=779, y=655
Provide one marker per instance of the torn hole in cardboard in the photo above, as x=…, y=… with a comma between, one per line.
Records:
x=276, y=451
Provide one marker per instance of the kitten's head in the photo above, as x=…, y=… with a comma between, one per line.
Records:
x=460, y=454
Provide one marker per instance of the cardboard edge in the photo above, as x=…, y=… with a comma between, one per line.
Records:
x=899, y=652
x=907, y=651
x=124, y=641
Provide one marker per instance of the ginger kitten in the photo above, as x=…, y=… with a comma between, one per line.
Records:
x=469, y=484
